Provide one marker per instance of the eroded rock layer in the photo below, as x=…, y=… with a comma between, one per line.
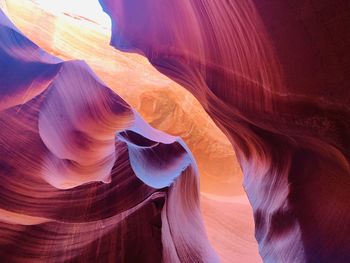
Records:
x=84, y=177
x=164, y=104
x=274, y=76
x=160, y=101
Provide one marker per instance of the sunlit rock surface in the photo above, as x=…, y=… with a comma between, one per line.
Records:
x=274, y=76
x=166, y=106
x=162, y=102
x=83, y=177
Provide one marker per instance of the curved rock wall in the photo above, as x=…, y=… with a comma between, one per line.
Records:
x=83, y=177
x=274, y=77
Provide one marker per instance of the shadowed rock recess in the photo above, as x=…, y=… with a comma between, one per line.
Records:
x=274, y=76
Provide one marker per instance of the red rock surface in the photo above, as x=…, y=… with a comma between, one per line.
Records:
x=166, y=106
x=274, y=76
x=84, y=177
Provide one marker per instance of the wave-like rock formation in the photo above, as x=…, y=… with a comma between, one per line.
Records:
x=164, y=104
x=83, y=177
x=274, y=76
x=160, y=101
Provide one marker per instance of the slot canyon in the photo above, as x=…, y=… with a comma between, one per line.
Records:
x=175, y=131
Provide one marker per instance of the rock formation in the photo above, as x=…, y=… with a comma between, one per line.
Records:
x=274, y=77
x=84, y=177
x=162, y=103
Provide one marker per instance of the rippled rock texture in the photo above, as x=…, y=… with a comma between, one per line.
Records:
x=79, y=178
x=162, y=103
x=84, y=177
x=274, y=76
